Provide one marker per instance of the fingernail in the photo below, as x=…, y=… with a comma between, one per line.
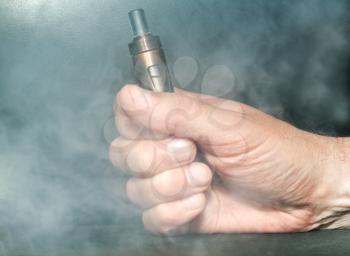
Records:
x=194, y=202
x=182, y=150
x=199, y=174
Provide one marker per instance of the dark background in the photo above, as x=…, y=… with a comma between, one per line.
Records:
x=61, y=64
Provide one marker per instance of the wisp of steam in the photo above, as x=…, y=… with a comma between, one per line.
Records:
x=62, y=62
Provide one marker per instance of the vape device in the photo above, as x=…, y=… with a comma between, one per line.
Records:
x=150, y=67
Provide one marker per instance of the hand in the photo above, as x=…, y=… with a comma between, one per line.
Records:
x=258, y=174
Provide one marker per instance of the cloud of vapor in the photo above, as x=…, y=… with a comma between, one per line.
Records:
x=62, y=62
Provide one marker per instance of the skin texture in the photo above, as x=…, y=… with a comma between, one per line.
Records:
x=207, y=165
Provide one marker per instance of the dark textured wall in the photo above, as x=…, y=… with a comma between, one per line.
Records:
x=62, y=62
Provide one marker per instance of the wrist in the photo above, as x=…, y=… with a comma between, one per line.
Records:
x=333, y=207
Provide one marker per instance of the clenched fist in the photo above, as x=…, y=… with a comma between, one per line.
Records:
x=208, y=165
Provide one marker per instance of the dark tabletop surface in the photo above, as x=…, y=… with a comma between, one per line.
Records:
x=61, y=64
x=109, y=240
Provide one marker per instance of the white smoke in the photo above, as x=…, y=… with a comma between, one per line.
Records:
x=62, y=63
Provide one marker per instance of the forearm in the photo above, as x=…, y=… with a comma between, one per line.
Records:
x=335, y=211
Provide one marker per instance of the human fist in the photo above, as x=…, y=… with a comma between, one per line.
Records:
x=252, y=173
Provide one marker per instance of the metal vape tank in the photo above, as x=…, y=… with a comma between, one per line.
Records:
x=150, y=68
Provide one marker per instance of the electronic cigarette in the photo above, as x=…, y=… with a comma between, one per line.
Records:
x=150, y=68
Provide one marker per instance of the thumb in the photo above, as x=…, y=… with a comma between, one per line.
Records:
x=181, y=114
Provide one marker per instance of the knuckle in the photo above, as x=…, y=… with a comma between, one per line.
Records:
x=119, y=151
x=165, y=230
x=115, y=143
x=125, y=98
x=143, y=163
x=146, y=221
x=154, y=226
x=111, y=155
x=165, y=215
x=130, y=190
x=127, y=128
x=169, y=184
x=125, y=91
x=112, y=152
x=119, y=121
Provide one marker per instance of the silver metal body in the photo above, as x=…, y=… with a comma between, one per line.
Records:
x=150, y=68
